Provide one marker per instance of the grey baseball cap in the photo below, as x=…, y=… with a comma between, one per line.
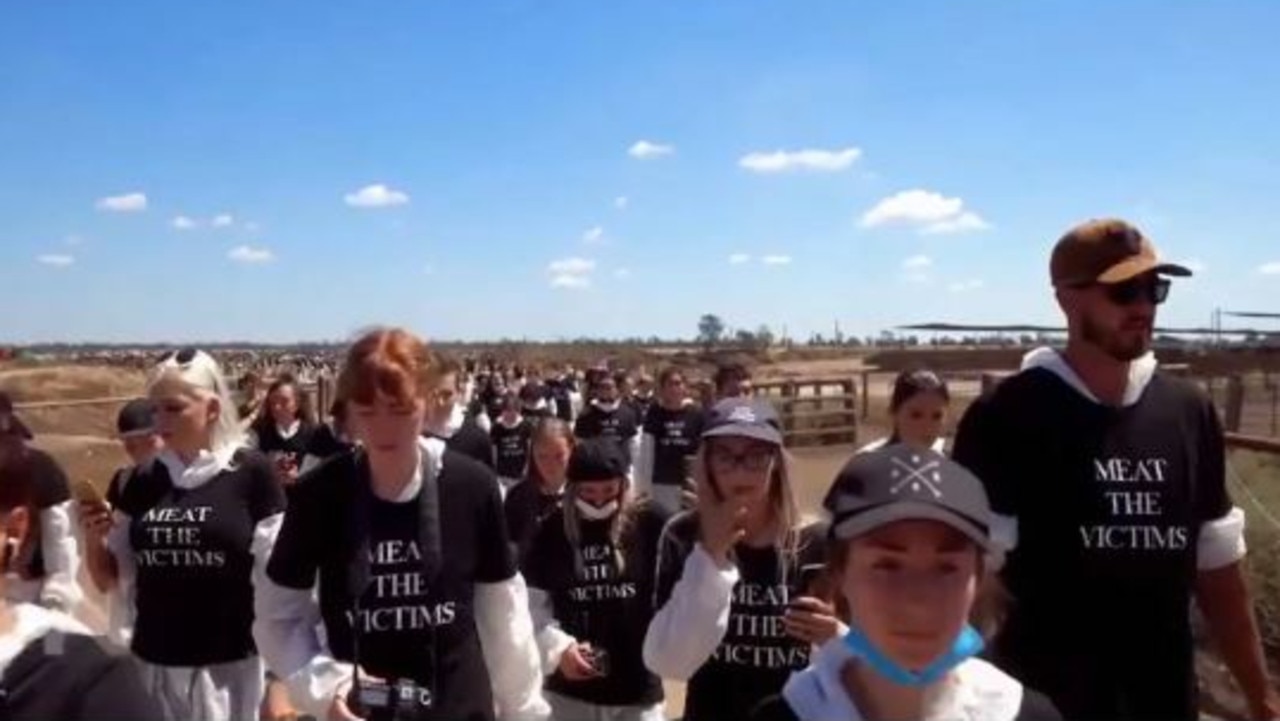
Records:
x=744, y=418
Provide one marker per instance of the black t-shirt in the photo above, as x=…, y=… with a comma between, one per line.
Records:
x=641, y=405
x=1109, y=503
x=294, y=447
x=511, y=446
x=194, y=594
x=619, y=425
x=51, y=489
x=115, y=487
x=470, y=440
x=558, y=397
x=410, y=626
x=74, y=677
x=597, y=603
x=324, y=443
x=525, y=508
x=676, y=436
x=756, y=656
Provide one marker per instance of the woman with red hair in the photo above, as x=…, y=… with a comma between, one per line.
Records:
x=399, y=548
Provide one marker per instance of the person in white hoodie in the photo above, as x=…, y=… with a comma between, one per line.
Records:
x=918, y=407
x=911, y=557
x=1109, y=478
x=392, y=590
x=188, y=538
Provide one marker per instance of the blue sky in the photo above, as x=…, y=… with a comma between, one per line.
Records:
x=444, y=165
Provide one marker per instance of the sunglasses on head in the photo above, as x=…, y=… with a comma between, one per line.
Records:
x=181, y=357
x=1154, y=290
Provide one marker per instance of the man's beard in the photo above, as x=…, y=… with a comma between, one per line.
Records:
x=1121, y=345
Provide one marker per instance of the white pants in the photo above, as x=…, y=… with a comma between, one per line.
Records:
x=668, y=498
x=563, y=707
x=222, y=692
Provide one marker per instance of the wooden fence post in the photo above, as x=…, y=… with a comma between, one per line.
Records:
x=866, y=395
x=850, y=388
x=1233, y=410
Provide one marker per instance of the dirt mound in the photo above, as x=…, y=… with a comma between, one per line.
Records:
x=48, y=384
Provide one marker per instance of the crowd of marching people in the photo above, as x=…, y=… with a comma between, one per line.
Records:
x=463, y=540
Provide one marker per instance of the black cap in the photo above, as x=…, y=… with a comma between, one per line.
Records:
x=900, y=483
x=744, y=418
x=596, y=459
x=136, y=418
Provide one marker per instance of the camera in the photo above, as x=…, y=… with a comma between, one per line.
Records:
x=599, y=660
x=402, y=700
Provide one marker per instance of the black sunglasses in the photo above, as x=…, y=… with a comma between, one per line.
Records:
x=183, y=356
x=1153, y=290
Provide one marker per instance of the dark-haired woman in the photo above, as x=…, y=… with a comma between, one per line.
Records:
x=399, y=550
x=510, y=436
x=734, y=618
x=918, y=407
x=50, y=667
x=532, y=500
x=590, y=570
x=283, y=432
x=914, y=570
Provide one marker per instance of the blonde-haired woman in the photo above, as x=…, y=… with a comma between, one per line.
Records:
x=191, y=532
x=733, y=619
x=590, y=570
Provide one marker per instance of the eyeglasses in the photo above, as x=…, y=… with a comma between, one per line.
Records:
x=1154, y=290
x=753, y=461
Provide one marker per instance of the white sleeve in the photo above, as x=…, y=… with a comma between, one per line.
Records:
x=284, y=629
x=61, y=558
x=482, y=420
x=686, y=631
x=121, y=548
x=309, y=462
x=575, y=404
x=510, y=649
x=1221, y=541
x=552, y=640
x=644, y=466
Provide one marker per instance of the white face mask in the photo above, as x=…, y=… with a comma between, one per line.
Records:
x=596, y=513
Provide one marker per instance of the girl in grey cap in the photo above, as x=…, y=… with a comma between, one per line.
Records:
x=910, y=559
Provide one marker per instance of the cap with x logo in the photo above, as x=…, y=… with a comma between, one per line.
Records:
x=903, y=483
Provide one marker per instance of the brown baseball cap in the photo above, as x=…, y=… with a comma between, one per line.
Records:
x=1107, y=250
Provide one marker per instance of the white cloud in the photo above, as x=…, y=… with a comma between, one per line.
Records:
x=622, y=273
x=222, y=221
x=571, y=266
x=249, y=254
x=252, y=227
x=645, y=150
x=776, y=260
x=1272, y=268
x=739, y=258
x=182, y=222
x=809, y=159
x=376, y=196
x=567, y=280
x=917, y=261
x=931, y=212
x=621, y=202
x=127, y=203
x=73, y=240
x=918, y=278
x=594, y=235
x=57, y=260
x=965, y=285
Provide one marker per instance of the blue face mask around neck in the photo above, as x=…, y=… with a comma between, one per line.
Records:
x=968, y=644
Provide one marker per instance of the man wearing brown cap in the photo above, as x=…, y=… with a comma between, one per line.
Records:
x=1109, y=480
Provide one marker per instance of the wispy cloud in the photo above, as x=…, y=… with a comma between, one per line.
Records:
x=182, y=222
x=621, y=202
x=567, y=280
x=622, y=273
x=930, y=212
x=571, y=272
x=808, y=160
x=739, y=259
x=916, y=262
x=376, y=196
x=591, y=236
x=224, y=220
x=647, y=150
x=250, y=255
x=776, y=260
x=965, y=285
x=127, y=203
x=56, y=260
x=1272, y=268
